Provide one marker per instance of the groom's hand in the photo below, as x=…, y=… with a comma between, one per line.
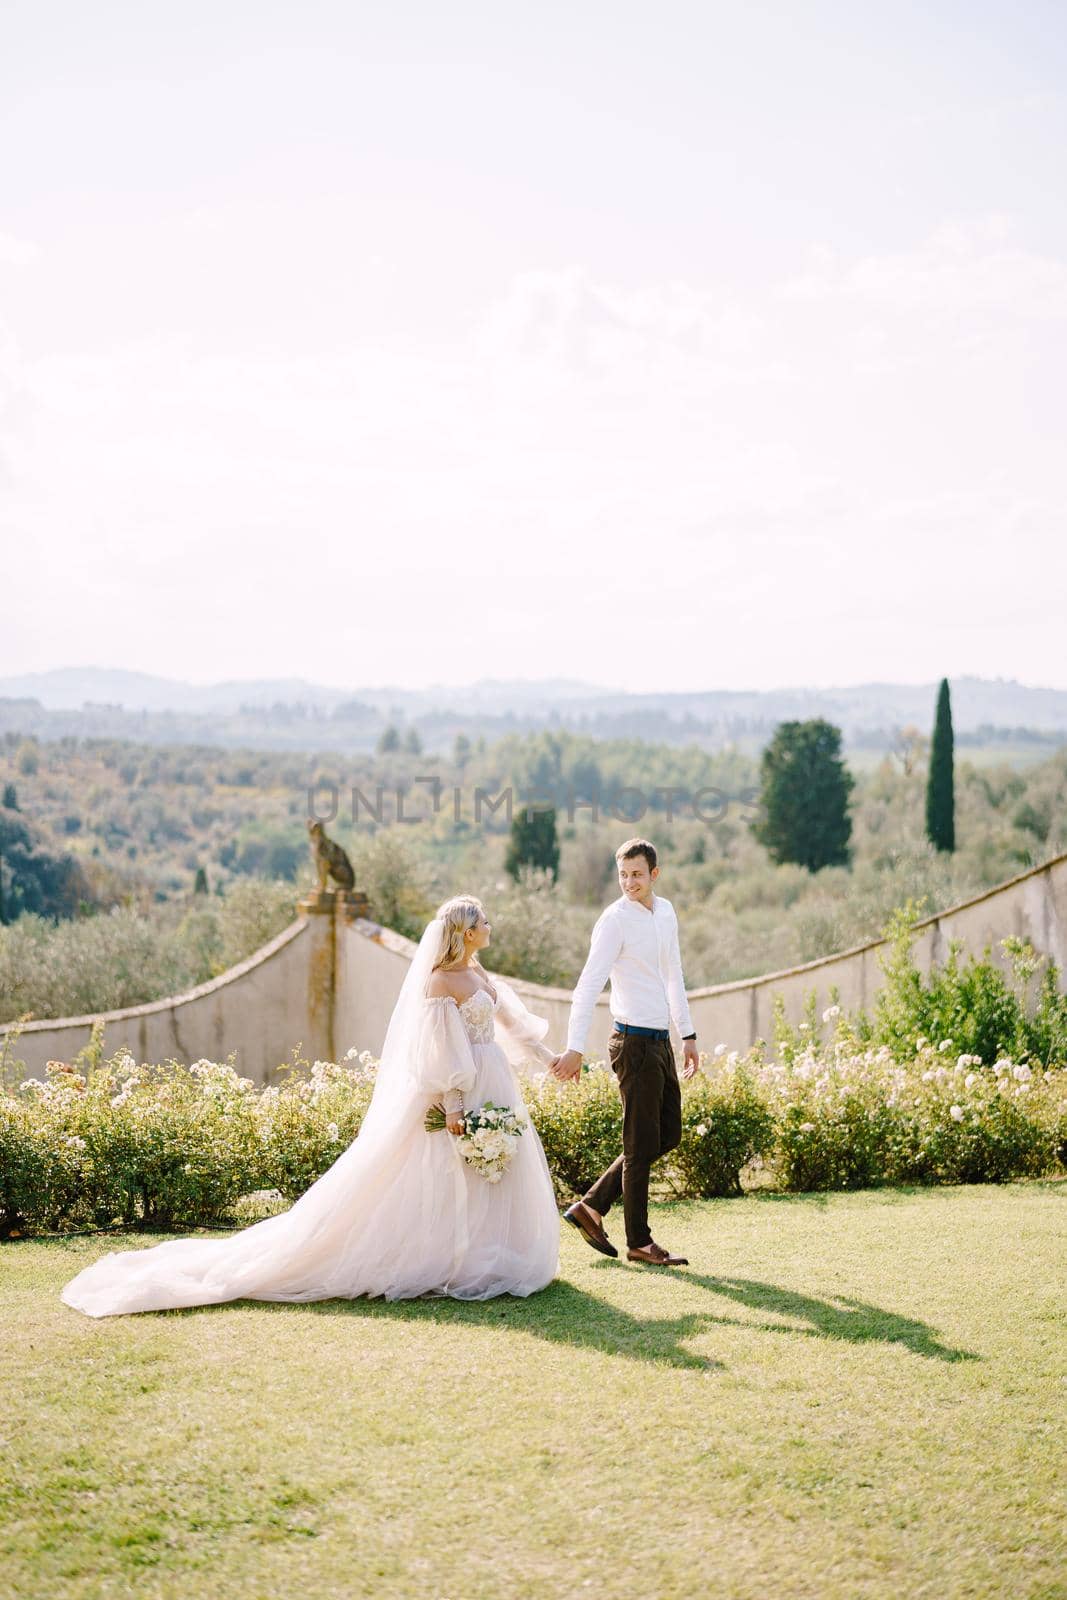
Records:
x=692, y=1058
x=568, y=1065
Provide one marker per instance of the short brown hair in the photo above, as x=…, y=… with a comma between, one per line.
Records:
x=637, y=847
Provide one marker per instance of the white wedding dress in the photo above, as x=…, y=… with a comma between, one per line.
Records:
x=400, y=1213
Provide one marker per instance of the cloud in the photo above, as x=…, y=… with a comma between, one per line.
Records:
x=802, y=450
x=595, y=328
x=965, y=269
x=16, y=252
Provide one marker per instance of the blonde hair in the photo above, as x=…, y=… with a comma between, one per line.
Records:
x=458, y=914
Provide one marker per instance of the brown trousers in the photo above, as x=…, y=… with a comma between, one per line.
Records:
x=651, y=1125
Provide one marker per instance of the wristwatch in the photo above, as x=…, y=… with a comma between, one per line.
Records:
x=686, y=1036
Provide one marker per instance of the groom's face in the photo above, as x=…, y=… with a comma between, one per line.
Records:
x=635, y=879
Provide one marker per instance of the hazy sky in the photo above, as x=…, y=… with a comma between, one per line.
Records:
x=677, y=346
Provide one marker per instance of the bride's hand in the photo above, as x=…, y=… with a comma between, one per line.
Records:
x=455, y=1125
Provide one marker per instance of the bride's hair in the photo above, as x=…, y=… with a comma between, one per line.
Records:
x=457, y=914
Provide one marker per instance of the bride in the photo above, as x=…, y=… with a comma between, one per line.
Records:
x=400, y=1213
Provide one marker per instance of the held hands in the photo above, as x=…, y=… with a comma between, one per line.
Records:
x=568, y=1065
x=455, y=1124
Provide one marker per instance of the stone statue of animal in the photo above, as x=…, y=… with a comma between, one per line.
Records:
x=331, y=860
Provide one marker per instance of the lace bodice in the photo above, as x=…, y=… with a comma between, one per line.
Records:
x=477, y=1012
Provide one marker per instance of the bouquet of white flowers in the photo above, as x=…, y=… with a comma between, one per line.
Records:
x=488, y=1140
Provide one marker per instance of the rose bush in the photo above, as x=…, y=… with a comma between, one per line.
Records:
x=122, y=1144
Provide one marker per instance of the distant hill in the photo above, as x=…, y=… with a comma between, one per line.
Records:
x=295, y=714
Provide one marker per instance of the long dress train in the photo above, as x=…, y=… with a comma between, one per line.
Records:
x=400, y=1213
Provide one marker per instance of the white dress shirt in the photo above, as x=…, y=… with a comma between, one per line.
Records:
x=638, y=950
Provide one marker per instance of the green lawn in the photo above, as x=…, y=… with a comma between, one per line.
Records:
x=844, y=1396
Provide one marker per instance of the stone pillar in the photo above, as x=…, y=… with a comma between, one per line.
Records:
x=351, y=905
x=326, y=913
x=319, y=909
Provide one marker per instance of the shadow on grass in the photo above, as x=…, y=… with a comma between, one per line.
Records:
x=567, y=1315
x=853, y=1321
x=561, y=1313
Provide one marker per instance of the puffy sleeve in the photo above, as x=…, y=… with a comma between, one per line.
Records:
x=443, y=1067
x=519, y=1032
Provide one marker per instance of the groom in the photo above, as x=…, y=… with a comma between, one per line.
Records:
x=635, y=942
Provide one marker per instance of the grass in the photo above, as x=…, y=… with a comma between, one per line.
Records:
x=843, y=1397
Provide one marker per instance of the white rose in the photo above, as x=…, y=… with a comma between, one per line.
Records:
x=1021, y=1072
x=701, y=1130
x=956, y=1113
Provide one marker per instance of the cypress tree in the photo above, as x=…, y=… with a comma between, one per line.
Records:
x=940, y=780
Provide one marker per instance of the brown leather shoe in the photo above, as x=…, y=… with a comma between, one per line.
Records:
x=590, y=1227
x=654, y=1255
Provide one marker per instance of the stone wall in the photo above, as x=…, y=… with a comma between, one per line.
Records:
x=280, y=997
x=1032, y=905
x=329, y=982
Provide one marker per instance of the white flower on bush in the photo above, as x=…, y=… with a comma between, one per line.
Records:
x=946, y=1044
x=928, y=1077
x=807, y=1127
x=719, y=1050
x=830, y=1013
x=701, y=1130
x=956, y=1113
x=970, y=1080
x=1002, y=1066
x=1021, y=1072
x=921, y=1041
x=74, y=1142
x=333, y=1132
x=968, y=1061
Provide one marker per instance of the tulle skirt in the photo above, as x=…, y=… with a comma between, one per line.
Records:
x=399, y=1214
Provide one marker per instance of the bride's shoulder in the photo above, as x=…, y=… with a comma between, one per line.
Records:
x=440, y=987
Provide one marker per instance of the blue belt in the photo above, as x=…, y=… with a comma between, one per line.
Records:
x=642, y=1033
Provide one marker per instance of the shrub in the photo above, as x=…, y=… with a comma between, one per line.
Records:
x=104, y=1143
x=726, y=1123
x=304, y=1126
x=579, y=1124
x=969, y=1001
